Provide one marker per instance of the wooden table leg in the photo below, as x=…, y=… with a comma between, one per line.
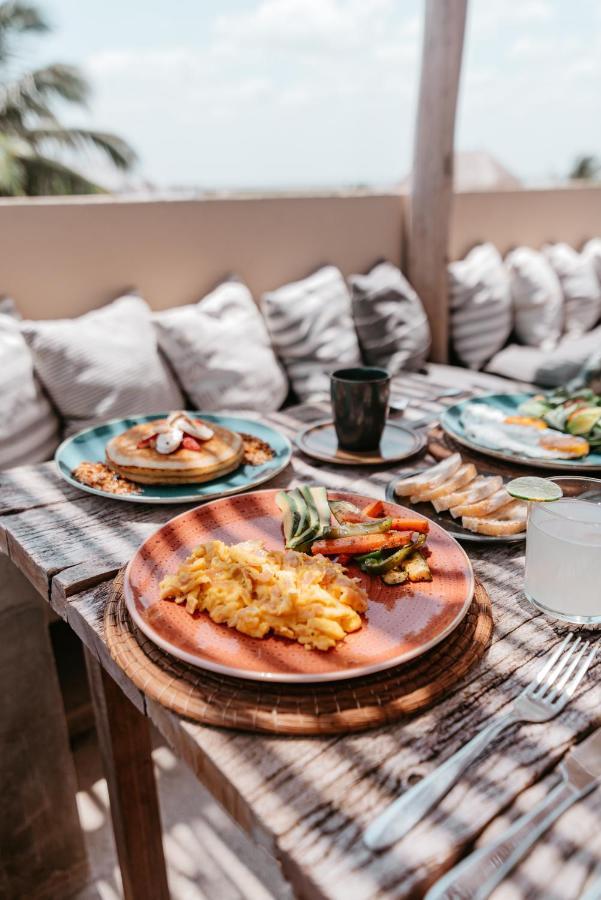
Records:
x=42, y=851
x=124, y=738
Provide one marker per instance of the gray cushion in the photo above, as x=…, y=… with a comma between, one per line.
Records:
x=581, y=289
x=391, y=323
x=221, y=353
x=312, y=329
x=537, y=298
x=480, y=305
x=102, y=365
x=548, y=368
x=29, y=427
x=592, y=252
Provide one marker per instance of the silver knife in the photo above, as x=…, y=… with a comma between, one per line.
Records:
x=480, y=873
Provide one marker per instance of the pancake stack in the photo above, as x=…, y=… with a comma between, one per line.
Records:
x=213, y=451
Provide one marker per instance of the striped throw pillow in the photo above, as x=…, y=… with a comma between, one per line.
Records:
x=102, y=365
x=29, y=427
x=537, y=298
x=480, y=305
x=391, y=322
x=312, y=331
x=220, y=351
x=592, y=252
x=581, y=289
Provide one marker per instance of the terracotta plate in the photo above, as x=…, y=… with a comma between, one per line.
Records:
x=401, y=622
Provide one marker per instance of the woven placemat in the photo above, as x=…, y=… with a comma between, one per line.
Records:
x=337, y=707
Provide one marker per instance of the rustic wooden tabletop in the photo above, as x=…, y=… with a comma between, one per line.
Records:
x=307, y=800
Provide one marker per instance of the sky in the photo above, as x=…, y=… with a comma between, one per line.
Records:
x=251, y=94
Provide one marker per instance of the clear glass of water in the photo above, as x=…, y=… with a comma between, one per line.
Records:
x=563, y=552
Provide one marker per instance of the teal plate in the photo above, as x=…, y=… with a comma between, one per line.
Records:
x=450, y=421
x=89, y=446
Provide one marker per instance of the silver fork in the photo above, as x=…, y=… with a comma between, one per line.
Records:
x=542, y=700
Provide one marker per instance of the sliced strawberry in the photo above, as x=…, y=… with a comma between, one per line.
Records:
x=145, y=442
x=190, y=443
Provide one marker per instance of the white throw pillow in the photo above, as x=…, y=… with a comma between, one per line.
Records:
x=480, y=305
x=220, y=350
x=103, y=364
x=592, y=252
x=581, y=290
x=537, y=298
x=312, y=331
x=29, y=427
x=391, y=322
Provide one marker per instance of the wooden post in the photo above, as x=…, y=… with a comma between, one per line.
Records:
x=124, y=739
x=432, y=175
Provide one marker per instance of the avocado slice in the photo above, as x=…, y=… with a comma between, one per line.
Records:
x=311, y=529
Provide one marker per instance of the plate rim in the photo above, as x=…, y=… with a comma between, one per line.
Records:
x=548, y=464
x=291, y=678
x=173, y=501
x=420, y=439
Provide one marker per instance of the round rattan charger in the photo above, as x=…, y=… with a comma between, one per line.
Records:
x=343, y=706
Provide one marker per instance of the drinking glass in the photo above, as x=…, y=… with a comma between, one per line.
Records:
x=563, y=552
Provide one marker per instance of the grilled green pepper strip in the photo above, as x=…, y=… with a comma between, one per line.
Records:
x=355, y=528
x=363, y=560
x=378, y=567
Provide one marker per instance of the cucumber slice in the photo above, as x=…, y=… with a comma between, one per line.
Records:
x=324, y=513
x=291, y=514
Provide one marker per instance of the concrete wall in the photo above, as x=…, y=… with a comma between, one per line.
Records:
x=63, y=257
x=508, y=218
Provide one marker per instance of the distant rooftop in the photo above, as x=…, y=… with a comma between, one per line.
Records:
x=478, y=170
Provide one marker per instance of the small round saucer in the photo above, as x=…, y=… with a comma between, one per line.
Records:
x=398, y=442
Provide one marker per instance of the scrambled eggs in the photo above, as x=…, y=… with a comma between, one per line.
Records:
x=305, y=598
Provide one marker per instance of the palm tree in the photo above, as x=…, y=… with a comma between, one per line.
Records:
x=585, y=168
x=32, y=138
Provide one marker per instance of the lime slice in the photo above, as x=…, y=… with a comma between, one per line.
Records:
x=539, y=490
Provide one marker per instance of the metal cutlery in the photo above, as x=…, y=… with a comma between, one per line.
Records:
x=544, y=698
x=478, y=875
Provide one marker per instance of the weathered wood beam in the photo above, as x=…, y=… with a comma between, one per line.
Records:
x=125, y=747
x=432, y=175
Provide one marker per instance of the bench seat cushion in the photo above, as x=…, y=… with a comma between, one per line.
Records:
x=547, y=368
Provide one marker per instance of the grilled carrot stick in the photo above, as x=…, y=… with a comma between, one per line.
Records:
x=374, y=510
x=361, y=543
x=421, y=525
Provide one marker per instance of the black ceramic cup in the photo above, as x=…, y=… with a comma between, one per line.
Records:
x=360, y=405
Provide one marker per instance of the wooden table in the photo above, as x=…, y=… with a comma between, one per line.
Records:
x=307, y=800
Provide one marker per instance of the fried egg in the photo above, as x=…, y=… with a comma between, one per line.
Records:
x=491, y=428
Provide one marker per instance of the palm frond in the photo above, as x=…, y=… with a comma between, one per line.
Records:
x=16, y=19
x=118, y=151
x=47, y=177
x=33, y=94
x=61, y=81
x=12, y=171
